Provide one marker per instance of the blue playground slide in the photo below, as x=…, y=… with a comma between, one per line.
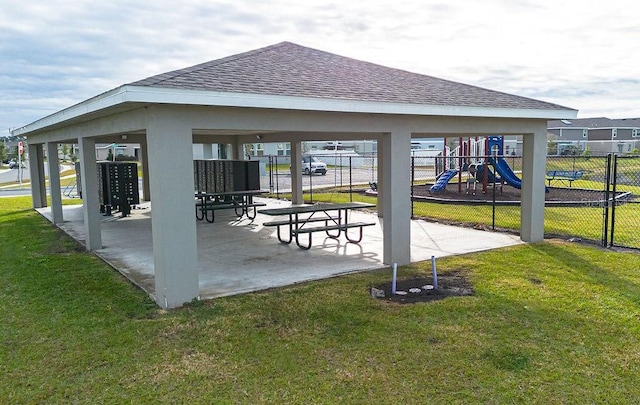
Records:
x=443, y=179
x=496, y=144
x=504, y=170
x=491, y=176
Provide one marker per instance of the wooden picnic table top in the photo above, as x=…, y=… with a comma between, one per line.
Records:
x=303, y=209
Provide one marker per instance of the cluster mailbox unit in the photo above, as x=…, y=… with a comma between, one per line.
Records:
x=226, y=184
x=118, y=186
x=225, y=176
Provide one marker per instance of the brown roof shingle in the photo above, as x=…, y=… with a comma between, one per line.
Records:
x=289, y=69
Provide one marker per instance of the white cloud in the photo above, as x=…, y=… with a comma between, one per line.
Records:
x=582, y=54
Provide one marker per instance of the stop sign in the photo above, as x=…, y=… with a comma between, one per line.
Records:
x=20, y=148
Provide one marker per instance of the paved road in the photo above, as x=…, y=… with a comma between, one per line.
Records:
x=16, y=192
x=10, y=180
x=334, y=178
x=11, y=175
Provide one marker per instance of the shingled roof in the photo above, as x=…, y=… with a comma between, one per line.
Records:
x=288, y=69
x=595, y=122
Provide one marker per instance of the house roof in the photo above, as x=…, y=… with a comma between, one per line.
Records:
x=595, y=123
x=288, y=69
x=292, y=77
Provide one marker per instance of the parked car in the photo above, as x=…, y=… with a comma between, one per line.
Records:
x=311, y=164
x=13, y=164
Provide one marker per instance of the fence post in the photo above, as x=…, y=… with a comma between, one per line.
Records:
x=271, y=174
x=614, y=179
x=310, y=184
x=350, y=179
x=605, y=213
x=413, y=177
x=277, y=179
x=373, y=168
x=341, y=184
x=493, y=192
x=335, y=172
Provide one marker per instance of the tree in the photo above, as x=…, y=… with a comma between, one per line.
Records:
x=3, y=153
x=65, y=151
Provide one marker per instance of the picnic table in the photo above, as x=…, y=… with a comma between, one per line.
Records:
x=333, y=219
x=240, y=201
x=561, y=176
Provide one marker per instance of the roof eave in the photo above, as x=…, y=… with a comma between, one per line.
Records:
x=159, y=95
x=100, y=102
x=213, y=98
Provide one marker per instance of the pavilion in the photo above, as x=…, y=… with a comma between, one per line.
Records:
x=280, y=93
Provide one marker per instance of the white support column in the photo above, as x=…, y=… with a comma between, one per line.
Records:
x=396, y=221
x=90, y=201
x=36, y=169
x=238, y=150
x=296, y=173
x=173, y=223
x=54, y=182
x=533, y=185
x=380, y=180
x=144, y=159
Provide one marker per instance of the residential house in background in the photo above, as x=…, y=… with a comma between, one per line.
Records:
x=597, y=136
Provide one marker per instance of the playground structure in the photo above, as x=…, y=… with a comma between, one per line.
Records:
x=476, y=160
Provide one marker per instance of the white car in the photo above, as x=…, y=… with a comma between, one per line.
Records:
x=311, y=164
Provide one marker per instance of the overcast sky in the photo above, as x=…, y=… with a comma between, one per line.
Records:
x=583, y=54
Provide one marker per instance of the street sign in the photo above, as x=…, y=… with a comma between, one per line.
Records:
x=20, y=148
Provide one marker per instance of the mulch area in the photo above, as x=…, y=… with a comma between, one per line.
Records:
x=505, y=193
x=452, y=284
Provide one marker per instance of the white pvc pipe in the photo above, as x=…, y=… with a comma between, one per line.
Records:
x=435, y=273
x=393, y=278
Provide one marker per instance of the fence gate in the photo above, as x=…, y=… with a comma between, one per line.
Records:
x=621, y=213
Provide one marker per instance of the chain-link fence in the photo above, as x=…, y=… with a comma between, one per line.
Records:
x=622, y=217
x=576, y=196
x=347, y=175
x=586, y=197
x=466, y=190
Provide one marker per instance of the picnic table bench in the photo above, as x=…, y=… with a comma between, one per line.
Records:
x=240, y=201
x=561, y=176
x=318, y=213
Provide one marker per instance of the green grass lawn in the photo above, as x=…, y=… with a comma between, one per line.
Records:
x=549, y=323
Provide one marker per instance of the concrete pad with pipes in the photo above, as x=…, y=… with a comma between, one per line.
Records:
x=238, y=256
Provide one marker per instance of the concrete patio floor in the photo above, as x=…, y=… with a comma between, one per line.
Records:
x=240, y=255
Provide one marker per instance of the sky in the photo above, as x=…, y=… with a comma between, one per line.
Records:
x=582, y=54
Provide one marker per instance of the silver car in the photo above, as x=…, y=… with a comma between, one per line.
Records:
x=311, y=164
